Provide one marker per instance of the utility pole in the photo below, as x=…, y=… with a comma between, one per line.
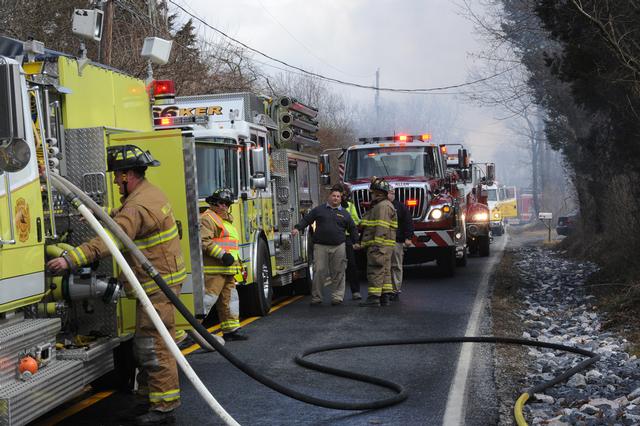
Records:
x=152, y=12
x=107, y=32
x=377, y=100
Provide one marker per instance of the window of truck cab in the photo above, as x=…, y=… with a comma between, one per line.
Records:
x=217, y=165
x=408, y=161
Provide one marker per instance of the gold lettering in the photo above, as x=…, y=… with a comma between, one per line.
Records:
x=214, y=110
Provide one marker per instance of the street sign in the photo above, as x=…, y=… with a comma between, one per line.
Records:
x=545, y=216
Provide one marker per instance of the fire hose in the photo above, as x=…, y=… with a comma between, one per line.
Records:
x=80, y=200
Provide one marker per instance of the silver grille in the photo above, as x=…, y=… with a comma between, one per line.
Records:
x=362, y=198
x=412, y=193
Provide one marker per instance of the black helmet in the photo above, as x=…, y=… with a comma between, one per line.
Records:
x=222, y=195
x=379, y=184
x=127, y=157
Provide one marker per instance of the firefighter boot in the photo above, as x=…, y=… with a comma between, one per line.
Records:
x=371, y=301
x=154, y=417
x=234, y=335
x=385, y=299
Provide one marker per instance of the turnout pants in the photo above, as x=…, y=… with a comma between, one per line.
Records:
x=352, y=269
x=220, y=290
x=158, y=374
x=396, y=266
x=328, y=261
x=379, y=270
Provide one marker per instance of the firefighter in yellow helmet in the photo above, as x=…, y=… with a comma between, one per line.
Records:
x=379, y=238
x=147, y=218
x=220, y=247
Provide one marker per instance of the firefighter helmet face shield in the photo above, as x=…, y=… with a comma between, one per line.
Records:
x=128, y=157
x=220, y=196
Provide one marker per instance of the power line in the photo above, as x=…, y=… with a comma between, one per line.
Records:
x=331, y=79
x=305, y=46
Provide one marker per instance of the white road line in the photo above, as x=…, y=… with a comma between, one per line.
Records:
x=454, y=414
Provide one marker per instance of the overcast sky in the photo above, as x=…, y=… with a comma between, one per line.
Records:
x=414, y=43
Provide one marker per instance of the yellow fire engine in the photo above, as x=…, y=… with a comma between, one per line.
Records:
x=57, y=115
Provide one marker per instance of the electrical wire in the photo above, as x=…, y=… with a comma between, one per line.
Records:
x=335, y=80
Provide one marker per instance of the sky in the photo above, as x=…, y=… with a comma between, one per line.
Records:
x=414, y=43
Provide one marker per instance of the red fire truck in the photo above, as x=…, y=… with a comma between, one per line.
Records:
x=416, y=168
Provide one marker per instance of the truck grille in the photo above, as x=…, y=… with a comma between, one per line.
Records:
x=362, y=200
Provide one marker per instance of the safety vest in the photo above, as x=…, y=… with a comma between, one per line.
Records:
x=226, y=241
x=351, y=209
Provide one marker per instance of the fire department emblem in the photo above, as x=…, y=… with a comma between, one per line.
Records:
x=23, y=220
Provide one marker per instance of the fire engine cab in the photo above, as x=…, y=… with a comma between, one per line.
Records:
x=415, y=168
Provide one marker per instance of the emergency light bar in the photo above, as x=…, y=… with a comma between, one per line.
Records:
x=397, y=138
x=172, y=121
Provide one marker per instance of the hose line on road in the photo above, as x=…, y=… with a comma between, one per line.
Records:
x=400, y=392
x=519, y=416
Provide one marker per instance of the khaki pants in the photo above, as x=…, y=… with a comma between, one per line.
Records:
x=396, y=266
x=328, y=262
x=158, y=370
x=379, y=270
x=220, y=290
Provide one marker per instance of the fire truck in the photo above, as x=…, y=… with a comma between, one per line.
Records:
x=494, y=199
x=416, y=169
x=252, y=145
x=58, y=115
x=467, y=183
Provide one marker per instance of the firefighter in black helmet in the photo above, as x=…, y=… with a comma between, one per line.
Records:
x=379, y=238
x=146, y=216
x=221, y=252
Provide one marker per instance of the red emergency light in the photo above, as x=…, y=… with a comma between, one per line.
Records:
x=166, y=121
x=443, y=149
x=403, y=138
x=163, y=88
x=412, y=202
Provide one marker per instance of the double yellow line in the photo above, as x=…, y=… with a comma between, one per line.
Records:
x=97, y=397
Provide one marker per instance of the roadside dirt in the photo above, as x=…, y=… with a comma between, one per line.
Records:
x=510, y=360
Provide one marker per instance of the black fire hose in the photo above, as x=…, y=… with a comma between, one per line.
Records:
x=401, y=393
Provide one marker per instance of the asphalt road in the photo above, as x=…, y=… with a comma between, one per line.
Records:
x=430, y=306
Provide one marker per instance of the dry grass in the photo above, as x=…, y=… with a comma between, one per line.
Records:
x=510, y=368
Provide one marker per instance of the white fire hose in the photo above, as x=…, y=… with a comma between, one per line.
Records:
x=155, y=318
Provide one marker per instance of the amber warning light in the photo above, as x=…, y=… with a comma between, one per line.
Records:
x=412, y=203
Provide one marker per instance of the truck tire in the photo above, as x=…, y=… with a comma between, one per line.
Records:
x=256, y=298
x=446, y=261
x=303, y=285
x=483, y=245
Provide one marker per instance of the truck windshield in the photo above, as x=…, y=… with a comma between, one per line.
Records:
x=410, y=161
x=217, y=165
x=492, y=195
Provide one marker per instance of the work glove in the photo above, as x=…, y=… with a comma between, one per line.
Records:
x=227, y=259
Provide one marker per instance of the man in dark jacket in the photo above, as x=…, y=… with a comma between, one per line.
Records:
x=329, y=253
x=404, y=233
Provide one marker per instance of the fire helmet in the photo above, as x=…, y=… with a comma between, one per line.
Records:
x=222, y=195
x=379, y=184
x=127, y=157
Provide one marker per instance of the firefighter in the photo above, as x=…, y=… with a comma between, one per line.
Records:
x=221, y=262
x=147, y=218
x=379, y=238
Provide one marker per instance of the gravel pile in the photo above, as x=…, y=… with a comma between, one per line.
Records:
x=557, y=309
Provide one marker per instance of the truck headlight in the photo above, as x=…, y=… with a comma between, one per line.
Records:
x=496, y=215
x=481, y=217
x=436, y=214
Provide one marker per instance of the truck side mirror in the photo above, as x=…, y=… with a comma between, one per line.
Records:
x=491, y=173
x=259, y=175
x=15, y=153
x=325, y=169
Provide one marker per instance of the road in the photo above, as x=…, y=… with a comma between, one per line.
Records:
x=448, y=384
